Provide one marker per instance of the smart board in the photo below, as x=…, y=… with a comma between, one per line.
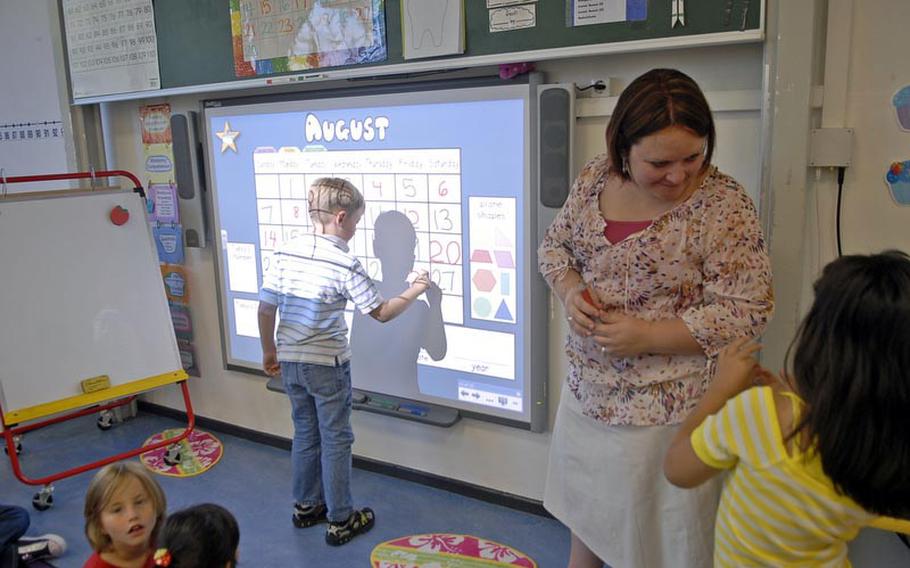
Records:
x=449, y=180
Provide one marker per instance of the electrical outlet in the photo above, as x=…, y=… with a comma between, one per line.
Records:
x=594, y=88
x=601, y=88
x=830, y=147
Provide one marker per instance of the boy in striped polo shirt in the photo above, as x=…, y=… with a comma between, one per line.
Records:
x=309, y=282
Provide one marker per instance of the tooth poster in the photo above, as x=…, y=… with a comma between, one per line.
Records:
x=430, y=28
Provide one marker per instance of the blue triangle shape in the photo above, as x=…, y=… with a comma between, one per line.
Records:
x=503, y=312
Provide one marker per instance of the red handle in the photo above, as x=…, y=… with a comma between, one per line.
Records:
x=137, y=187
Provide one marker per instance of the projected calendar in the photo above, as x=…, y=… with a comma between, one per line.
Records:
x=445, y=176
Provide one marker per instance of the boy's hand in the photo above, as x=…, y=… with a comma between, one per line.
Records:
x=270, y=363
x=422, y=282
x=736, y=367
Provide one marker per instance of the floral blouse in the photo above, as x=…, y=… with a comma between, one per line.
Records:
x=704, y=261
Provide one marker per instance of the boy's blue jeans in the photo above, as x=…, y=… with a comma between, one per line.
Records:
x=321, y=449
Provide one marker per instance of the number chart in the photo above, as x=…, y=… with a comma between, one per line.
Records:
x=424, y=185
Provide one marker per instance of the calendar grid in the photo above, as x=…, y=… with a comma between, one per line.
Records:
x=424, y=185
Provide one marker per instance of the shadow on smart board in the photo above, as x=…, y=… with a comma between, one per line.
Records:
x=384, y=355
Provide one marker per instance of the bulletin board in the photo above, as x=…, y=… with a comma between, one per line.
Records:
x=195, y=42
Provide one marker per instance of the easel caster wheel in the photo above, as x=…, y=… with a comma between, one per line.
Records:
x=105, y=420
x=42, y=501
x=18, y=449
x=172, y=456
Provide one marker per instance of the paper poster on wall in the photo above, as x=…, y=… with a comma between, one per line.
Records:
x=111, y=46
x=430, y=28
x=28, y=148
x=513, y=18
x=588, y=12
x=33, y=136
x=175, y=283
x=188, y=357
x=901, y=102
x=677, y=13
x=898, y=180
x=169, y=242
x=500, y=3
x=246, y=320
x=157, y=150
x=163, y=198
x=276, y=36
x=241, y=259
x=183, y=323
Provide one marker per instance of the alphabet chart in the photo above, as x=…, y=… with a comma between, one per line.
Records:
x=422, y=184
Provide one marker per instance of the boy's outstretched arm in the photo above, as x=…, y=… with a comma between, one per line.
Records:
x=735, y=369
x=392, y=307
x=267, y=338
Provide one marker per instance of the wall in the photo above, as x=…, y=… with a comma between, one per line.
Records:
x=500, y=458
x=845, y=80
x=872, y=221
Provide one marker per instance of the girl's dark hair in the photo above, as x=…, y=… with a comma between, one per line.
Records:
x=851, y=365
x=201, y=536
x=656, y=100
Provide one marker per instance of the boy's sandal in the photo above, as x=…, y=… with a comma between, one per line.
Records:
x=359, y=522
x=304, y=517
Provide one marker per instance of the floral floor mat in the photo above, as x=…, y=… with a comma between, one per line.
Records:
x=198, y=452
x=441, y=550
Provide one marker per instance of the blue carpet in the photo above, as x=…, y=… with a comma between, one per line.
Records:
x=253, y=481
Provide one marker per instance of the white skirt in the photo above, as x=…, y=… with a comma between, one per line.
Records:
x=606, y=484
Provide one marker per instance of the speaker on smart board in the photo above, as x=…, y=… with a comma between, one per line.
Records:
x=556, y=131
x=188, y=176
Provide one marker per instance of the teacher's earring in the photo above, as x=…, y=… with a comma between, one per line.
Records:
x=625, y=168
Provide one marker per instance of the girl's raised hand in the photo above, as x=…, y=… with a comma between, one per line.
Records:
x=737, y=367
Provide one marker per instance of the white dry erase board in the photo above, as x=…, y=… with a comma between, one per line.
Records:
x=81, y=297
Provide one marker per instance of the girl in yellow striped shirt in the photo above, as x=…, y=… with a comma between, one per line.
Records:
x=817, y=454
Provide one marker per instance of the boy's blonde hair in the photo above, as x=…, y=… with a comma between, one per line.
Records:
x=329, y=195
x=102, y=488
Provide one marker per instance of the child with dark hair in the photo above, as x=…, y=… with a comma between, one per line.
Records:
x=824, y=450
x=201, y=536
